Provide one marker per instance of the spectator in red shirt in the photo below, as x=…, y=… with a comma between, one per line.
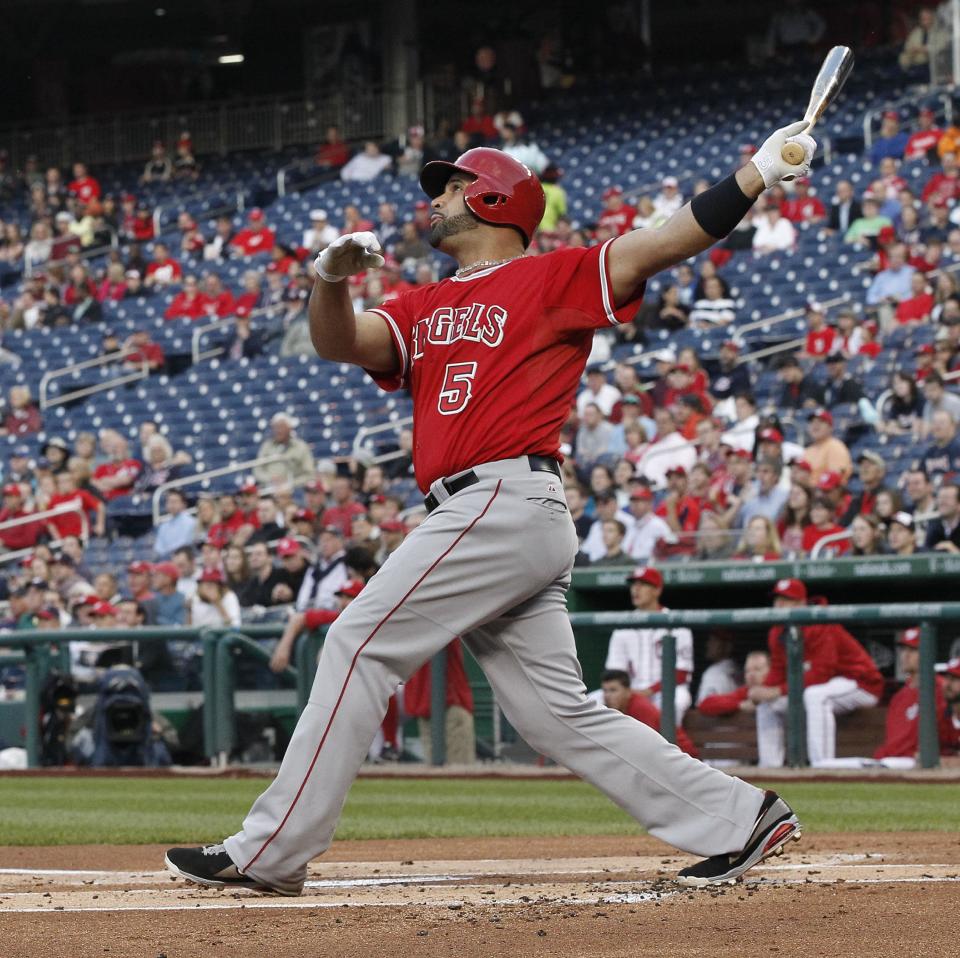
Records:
x=189, y=303
x=479, y=125
x=191, y=239
x=281, y=259
x=680, y=510
x=256, y=238
x=252, y=296
x=344, y=507
x=820, y=336
x=72, y=523
x=922, y=144
x=116, y=477
x=944, y=185
x=17, y=537
x=333, y=152
x=143, y=230
x=618, y=695
x=917, y=308
x=802, y=207
x=144, y=349
x=616, y=215
x=113, y=287
x=219, y=301
x=164, y=270
x=823, y=524
x=22, y=416
x=83, y=186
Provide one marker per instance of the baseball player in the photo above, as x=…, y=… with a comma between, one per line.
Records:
x=838, y=677
x=492, y=357
x=638, y=652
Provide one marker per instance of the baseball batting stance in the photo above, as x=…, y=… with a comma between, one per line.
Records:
x=492, y=357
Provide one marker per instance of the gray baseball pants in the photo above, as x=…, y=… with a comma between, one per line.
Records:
x=491, y=564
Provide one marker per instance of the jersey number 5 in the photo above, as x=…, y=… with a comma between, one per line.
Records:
x=457, y=388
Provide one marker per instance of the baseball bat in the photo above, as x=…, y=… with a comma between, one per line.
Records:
x=834, y=71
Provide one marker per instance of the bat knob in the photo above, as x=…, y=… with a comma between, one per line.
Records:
x=792, y=153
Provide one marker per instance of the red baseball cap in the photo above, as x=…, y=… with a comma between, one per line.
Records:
x=680, y=368
x=887, y=234
x=211, y=575
x=139, y=567
x=421, y=205
x=249, y=488
x=288, y=547
x=891, y=115
x=256, y=214
x=742, y=453
x=642, y=492
x=646, y=574
x=304, y=515
x=771, y=435
x=103, y=608
x=315, y=485
x=168, y=569
x=910, y=638
x=953, y=668
x=12, y=489
x=730, y=344
x=830, y=480
x=352, y=589
x=823, y=414
x=48, y=614
x=612, y=191
x=801, y=464
x=676, y=471
x=392, y=525
x=926, y=111
x=926, y=349
x=790, y=589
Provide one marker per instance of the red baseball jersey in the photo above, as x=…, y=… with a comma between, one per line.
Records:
x=828, y=651
x=902, y=732
x=493, y=359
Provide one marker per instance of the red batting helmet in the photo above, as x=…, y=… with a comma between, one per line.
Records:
x=504, y=192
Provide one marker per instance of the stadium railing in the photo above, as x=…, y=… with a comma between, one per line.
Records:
x=63, y=509
x=198, y=477
x=45, y=649
x=131, y=375
x=929, y=614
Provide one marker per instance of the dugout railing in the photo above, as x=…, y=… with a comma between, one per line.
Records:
x=39, y=651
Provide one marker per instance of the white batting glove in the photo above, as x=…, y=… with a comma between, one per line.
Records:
x=348, y=254
x=771, y=165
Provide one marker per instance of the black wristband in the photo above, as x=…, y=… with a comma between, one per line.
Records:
x=719, y=209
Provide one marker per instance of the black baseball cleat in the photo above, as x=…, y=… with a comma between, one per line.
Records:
x=776, y=825
x=213, y=867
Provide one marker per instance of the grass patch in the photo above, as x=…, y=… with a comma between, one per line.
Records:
x=52, y=811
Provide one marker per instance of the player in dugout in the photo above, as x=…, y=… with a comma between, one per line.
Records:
x=492, y=357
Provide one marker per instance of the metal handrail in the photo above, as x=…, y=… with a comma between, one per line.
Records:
x=49, y=376
x=29, y=265
x=63, y=509
x=942, y=95
x=365, y=431
x=220, y=323
x=821, y=544
x=201, y=476
x=237, y=206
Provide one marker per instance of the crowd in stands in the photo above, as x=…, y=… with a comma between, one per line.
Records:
x=681, y=464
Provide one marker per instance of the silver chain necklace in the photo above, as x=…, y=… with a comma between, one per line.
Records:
x=484, y=263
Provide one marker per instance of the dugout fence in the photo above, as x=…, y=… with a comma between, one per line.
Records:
x=40, y=651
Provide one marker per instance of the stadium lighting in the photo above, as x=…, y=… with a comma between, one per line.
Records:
x=230, y=58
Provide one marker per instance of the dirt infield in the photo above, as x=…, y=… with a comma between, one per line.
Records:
x=831, y=895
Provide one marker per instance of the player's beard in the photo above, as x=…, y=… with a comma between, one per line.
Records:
x=450, y=226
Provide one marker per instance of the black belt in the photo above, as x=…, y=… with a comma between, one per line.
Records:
x=453, y=486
